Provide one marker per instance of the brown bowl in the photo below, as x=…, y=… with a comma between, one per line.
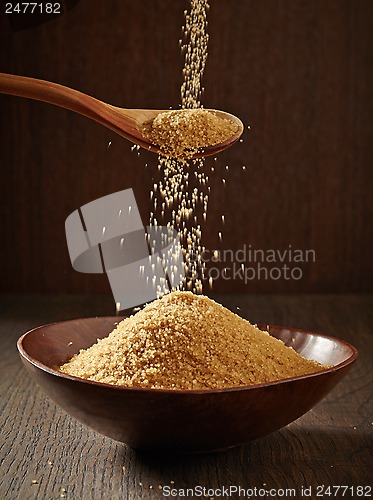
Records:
x=176, y=420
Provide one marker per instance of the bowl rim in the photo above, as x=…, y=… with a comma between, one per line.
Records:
x=354, y=354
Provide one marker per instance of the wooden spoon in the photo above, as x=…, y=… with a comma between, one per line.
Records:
x=125, y=122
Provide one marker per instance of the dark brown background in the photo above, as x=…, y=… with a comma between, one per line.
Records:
x=299, y=72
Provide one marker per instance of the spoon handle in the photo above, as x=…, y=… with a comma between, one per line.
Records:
x=56, y=94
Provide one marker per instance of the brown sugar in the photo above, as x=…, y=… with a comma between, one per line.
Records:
x=187, y=341
x=174, y=201
x=182, y=133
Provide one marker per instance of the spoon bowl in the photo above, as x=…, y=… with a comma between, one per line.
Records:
x=179, y=420
x=125, y=122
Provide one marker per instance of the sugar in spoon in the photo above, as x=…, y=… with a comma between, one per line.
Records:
x=125, y=122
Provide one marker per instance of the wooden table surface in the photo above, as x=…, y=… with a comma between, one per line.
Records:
x=47, y=454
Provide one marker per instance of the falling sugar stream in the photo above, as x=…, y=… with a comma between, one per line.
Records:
x=174, y=195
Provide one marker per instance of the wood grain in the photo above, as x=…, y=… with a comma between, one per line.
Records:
x=330, y=445
x=299, y=73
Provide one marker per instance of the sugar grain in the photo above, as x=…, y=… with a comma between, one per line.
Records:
x=182, y=133
x=187, y=341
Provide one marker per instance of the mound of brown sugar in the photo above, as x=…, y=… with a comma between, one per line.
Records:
x=182, y=133
x=187, y=341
